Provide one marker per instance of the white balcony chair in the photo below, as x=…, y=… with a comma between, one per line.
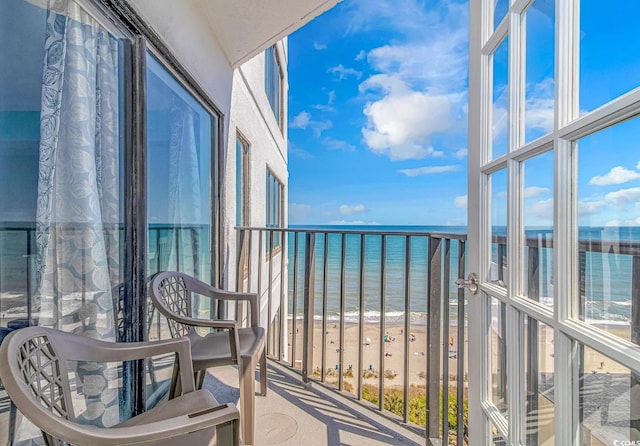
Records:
x=229, y=344
x=34, y=369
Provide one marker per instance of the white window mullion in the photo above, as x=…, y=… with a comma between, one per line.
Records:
x=565, y=221
x=515, y=358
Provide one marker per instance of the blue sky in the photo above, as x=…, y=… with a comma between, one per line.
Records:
x=378, y=115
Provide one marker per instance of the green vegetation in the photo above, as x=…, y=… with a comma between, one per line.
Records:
x=394, y=403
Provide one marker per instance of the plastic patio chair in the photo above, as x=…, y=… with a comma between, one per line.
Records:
x=172, y=293
x=34, y=365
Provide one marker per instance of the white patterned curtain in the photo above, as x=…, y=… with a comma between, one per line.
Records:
x=78, y=191
x=185, y=208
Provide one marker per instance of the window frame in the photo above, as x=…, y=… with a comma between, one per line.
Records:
x=274, y=81
x=274, y=217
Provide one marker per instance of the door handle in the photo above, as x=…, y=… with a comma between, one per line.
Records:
x=471, y=283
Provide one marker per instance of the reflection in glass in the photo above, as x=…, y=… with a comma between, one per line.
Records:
x=500, y=109
x=537, y=253
x=609, y=66
x=498, y=331
x=609, y=400
x=539, y=23
x=179, y=134
x=539, y=383
x=500, y=8
x=608, y=191
x=498, y=268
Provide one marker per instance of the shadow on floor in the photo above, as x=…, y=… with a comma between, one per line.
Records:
x=337, y=417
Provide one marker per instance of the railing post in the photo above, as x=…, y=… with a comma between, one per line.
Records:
x=325, y=271
x=433, y=339
x=533, y=292
x=309, y=288
x=284, y=255
x=634, y=398
x=294, y=341
x=461, y=345
x=445, y=338
x=361, y=317
x=407, y=325
x=270, y=295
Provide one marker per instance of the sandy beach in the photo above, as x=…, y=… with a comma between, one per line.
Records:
x=393, y=361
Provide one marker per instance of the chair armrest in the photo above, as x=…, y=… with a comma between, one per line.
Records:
x=205, y=289
x=146, y=433
x=80, y=348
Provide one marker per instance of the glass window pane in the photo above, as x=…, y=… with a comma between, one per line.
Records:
x=500, y=98
x=498, y=267
x=539, y=23
x=60, y=169
x=239, y=182
x=537, y=253
x=608, y=192
x=609, y=400
x=539, y=379
x=179, y=135
x=498, y=330
x=500, y=8
x=609, y=62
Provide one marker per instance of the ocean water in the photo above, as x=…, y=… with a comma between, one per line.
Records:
x=606, y=294
x=607, y=271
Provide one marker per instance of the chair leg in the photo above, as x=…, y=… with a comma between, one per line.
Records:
x=263, y=372
x=247, y=370
x=199, y=378
x=228, y=433
x=12, y=422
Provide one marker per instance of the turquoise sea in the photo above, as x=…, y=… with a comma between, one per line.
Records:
x=607, y=275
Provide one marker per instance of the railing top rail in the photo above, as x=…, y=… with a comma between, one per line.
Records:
x=442, y=235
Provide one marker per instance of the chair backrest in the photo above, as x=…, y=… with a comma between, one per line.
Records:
x=32, y=367
x=172, y=295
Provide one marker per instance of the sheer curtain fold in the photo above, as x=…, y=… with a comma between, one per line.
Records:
x=77, y=221
x=185, y=201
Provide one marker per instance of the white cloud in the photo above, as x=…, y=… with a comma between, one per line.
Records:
x=499, y=121
x=332, y=97
x=539, y=107
x=590, y=207
x=418, y=89
x=617, y=175
x=346, y=209
x=361, y=55
x=293, y=149
x=542, y=210
x=622, y=197
x=344, y=72
x=461, y=202
x=319, y=46
x=461, y=153
x=320, y=126
x=638, y=166
x=400, y=124
x=354, y=222
x=324, y=108
x=428, y=170
x=535, y=191
x=298, y=212
x=303, y=121
x=635, y=222
x=300, y=121
x=337, y=144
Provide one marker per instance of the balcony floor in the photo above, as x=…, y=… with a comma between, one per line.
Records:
x=293, y=414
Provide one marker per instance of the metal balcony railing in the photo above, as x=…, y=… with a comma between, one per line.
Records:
x=336, y=299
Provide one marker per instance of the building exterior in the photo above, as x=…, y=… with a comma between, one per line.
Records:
x=134, y=137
